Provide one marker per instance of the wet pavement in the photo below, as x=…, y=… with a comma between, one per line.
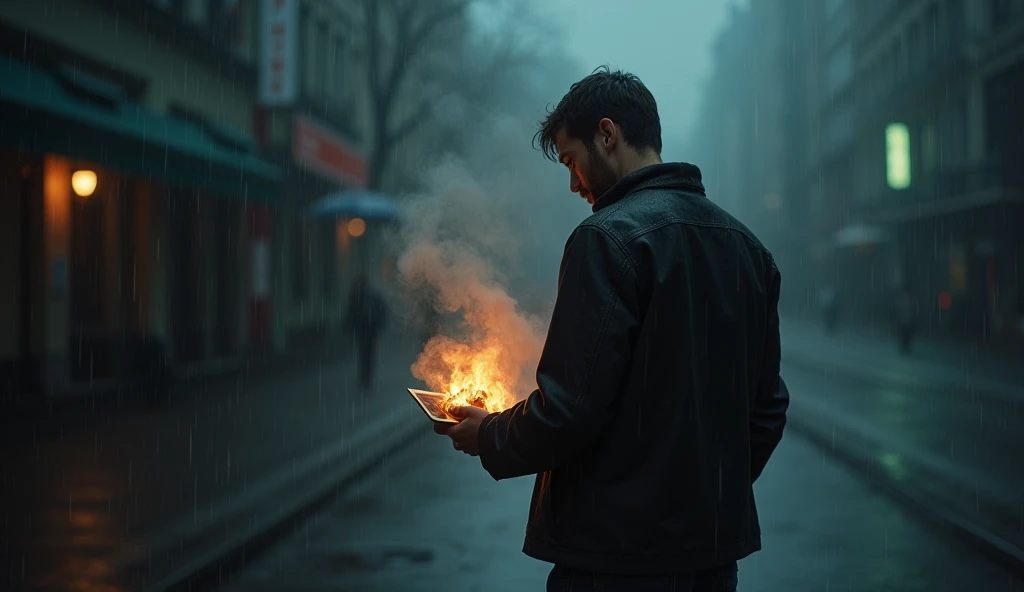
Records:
x=433, y=520
x=947, y=428
x=86, y=494
x=994, y=367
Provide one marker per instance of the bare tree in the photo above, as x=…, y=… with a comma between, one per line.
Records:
x=415, y=51
x=399, y=38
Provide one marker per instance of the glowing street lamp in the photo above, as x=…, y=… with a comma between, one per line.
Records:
x=356, y=227
x=83, y=182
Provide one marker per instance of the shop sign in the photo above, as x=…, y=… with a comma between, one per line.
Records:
x=317, y=148
x=279, y=48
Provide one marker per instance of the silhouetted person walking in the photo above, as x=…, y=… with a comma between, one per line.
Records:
x=364, y=321
x=830, y=308
x=905, y=319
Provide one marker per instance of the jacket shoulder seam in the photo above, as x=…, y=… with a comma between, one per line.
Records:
x=618, y=243
x=662, y=223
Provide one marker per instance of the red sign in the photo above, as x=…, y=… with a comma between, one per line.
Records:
x=323, y=152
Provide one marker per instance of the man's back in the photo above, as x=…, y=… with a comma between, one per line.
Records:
x=665, y=483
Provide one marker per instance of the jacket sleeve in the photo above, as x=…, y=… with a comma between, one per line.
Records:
x=588, y=346
x=768, y=416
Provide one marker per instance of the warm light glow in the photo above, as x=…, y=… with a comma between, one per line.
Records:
x=897, y=155
x=83, y=182
x=356, y=227
x=470, y=374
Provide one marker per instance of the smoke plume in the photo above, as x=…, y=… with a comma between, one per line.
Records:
x=465, y=238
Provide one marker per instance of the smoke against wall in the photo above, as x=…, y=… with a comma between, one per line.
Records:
x=457, y=238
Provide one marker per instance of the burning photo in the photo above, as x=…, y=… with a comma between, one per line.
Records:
x=434, y=404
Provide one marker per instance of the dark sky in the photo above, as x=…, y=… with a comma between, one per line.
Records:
x=667, y=43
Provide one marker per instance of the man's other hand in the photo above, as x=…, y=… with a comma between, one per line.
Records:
x=464, y=434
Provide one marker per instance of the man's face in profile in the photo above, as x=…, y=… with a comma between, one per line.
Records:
x=590, y=172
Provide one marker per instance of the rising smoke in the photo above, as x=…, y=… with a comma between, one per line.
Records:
x=479, y=226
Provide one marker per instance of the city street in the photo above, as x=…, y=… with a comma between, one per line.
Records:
x=943, y=428
x=124, y=497
x=234, y=235
x=114, y=498
x=431, y=519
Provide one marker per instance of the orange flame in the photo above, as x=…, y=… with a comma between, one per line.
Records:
x=478, y=374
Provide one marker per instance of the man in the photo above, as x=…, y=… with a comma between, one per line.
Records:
x=659, y=399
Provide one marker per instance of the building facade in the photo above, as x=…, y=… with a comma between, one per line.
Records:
x=753, y=129
x=936, y=157
x=159, y=160
x=128, y=166
x=875, y=146
x=308, y=121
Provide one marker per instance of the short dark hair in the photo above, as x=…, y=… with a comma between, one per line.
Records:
x=617, y=95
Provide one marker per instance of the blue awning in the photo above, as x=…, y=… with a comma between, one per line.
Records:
x=71, y=113
x=358, y=203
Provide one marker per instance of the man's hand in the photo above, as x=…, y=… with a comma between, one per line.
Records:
x=464, y=434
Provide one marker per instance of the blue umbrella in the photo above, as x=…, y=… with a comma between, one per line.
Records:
x=360, y=203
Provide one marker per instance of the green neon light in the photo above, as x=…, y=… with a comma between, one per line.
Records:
x=897, y=155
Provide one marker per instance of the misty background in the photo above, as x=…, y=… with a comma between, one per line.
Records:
x=492, y=218
x=195, y=394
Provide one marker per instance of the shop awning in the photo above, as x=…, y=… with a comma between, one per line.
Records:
x=68, y=112
x=368, y=205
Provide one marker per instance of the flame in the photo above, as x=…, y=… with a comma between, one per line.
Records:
x=476, y=373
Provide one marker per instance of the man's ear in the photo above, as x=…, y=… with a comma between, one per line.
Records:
x=608, y=134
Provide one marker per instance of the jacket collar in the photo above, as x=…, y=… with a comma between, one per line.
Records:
x=670, y=174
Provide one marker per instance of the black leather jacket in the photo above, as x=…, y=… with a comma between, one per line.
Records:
x=659, y=398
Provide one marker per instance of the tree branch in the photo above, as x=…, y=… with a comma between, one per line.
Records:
x=434, y=19
x=412, y=39
x=373, y=47
x=410, y=124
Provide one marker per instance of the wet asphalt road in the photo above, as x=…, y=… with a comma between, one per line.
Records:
x=433, y=520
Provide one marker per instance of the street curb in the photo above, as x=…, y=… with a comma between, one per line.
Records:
x=247, y=527
x=842, y=443
x=980, y=386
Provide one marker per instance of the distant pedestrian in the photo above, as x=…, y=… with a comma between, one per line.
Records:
x=830, y=308
x=905, y=319
x=365, y=320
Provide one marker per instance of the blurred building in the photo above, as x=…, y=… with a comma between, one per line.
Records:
x=157, y=159
x=875, y=146
x=752, y=133
x=831, y=172
x=126, y=166
x=316, y=118
x=309, y=121
x=163, y=164
x=936, y=179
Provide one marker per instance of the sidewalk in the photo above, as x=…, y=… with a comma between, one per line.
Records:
x=994, y=371
x=150, y=497
x=945, y=438
x=434, y=521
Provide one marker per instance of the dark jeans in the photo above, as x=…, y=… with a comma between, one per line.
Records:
x=719, y=579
